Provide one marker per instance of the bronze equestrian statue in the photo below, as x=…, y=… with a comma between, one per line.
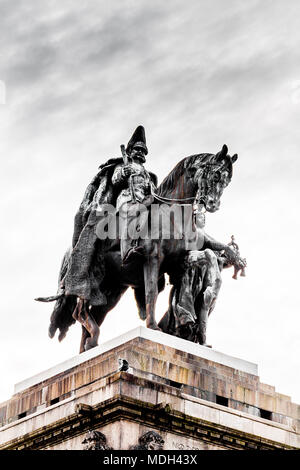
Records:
x=96, y=271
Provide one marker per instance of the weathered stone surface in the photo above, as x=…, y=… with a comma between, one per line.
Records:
x=205, y=406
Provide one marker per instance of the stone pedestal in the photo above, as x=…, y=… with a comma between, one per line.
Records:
x=171, y=394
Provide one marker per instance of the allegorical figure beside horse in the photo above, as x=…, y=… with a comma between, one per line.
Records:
x=196, y=285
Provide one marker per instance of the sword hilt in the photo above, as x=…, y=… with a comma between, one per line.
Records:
x=124, y=154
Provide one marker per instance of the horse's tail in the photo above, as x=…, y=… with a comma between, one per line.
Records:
x=61, y=317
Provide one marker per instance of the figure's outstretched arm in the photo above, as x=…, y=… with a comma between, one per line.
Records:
x=230, y=256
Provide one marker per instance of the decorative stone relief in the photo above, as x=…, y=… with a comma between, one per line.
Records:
x=151, y=440
x=95, y=440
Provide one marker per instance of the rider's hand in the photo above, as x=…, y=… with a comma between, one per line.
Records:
x=127, y=170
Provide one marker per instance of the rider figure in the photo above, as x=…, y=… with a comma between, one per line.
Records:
x=134, y=183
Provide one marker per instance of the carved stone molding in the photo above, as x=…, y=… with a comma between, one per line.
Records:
x=129, y=409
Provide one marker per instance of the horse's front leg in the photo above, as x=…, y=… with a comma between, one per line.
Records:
x=211, y=287
x=151, y=268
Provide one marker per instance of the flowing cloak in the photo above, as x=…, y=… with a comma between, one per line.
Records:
x=83, y=268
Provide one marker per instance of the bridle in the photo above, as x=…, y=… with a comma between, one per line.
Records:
x=168, y=200
x=206, y=186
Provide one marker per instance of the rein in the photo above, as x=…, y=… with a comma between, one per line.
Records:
x=205, y=187
x=169, y=200
x=200, y=197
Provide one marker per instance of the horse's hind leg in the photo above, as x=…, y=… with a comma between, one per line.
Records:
x=97, y=314
x=83, y=314
x=84, y=335
x=93, y=330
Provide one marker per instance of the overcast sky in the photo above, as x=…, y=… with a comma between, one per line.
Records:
x=79, y=78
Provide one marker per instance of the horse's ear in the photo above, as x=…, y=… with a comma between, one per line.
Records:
x=223, y=152
x=234, y=157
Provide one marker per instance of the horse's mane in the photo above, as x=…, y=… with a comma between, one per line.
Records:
x=170, y=180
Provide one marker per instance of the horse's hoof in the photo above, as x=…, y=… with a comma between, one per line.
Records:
x=154, y=327
x=186, y=331
x=89, y=344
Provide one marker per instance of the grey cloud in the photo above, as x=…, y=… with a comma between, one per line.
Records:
x=197, y=74
x=151, y=50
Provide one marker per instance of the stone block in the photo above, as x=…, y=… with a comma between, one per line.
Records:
x=170, y=389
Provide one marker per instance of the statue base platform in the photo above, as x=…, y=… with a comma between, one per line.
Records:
x=172, y=395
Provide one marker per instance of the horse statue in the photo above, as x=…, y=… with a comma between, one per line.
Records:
x=92, y=277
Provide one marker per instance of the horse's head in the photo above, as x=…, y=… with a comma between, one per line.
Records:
x=211, y=174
